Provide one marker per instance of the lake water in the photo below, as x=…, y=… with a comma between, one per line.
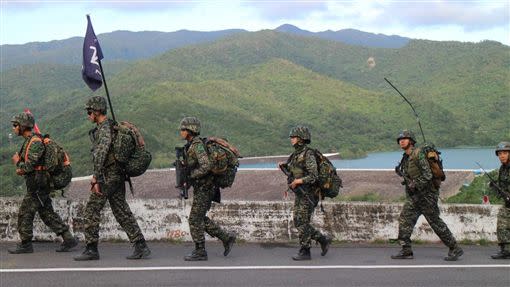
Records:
x=456, y=158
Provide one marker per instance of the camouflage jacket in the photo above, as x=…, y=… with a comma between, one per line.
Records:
x=303, y=164
x=34, y=157
x=504, y=177
x=417, y=169
x=198, y=160
x=102, y=157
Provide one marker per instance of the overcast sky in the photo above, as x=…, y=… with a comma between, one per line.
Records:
x=25, y=21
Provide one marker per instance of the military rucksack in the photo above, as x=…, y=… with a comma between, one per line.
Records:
x=329, y=182
x=129, y=149
x=55, y=160
x=434, y=160
x=225, y=160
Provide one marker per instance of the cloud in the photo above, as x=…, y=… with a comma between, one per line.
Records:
x=469, y=15
x=280, y=10
x=116, y=5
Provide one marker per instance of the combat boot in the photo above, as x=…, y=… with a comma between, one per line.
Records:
x=502, y=254
x=324, y=241
x=141, y=250
x=454, y=253
x=227, y=244
x=199, y=254
x=90, y=253
x=68, y=243
x=23, y=247
x=303, y=254
x=404, y=253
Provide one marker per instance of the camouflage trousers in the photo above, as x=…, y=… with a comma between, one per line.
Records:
x=37, y=183
x=503, y=225
x=198, y=220
x=304, y=205
x=424, y=203
x=115, y=194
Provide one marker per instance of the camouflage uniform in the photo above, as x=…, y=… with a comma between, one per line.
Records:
x=421, y=199
x=503, y=225
x=204, y=191
x=110, y=177
x=302, y=164
x=38, y=187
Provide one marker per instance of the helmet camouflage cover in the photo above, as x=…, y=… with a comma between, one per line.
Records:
x=191, y=124
x=406, y=134
x=24, y=120
x=96, y=103
x=301, y=132
x=503, y=146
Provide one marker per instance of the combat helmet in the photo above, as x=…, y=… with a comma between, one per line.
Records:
x=406, y=134
x=301, y=132
x=503, y=146
x=190, y=123
x=96, y=103
x=24, y=120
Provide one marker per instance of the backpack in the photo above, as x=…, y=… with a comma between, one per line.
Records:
x=435, y=162
x=329, y=182
x=55, y=160
x=225, y=160
x=129, y=149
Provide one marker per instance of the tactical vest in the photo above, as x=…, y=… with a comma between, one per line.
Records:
x=412, y=165
x=297, y=164
x=504, y=177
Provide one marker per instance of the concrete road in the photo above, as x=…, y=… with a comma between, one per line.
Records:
x=253, y=265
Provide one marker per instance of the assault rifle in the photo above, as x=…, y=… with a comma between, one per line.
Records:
x=290, y=178
x=504, y=195
x=407, y=181
x=181, y=172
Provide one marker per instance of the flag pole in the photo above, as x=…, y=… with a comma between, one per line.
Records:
x=106, y=89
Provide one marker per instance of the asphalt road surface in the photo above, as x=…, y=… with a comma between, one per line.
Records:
x=253, y=265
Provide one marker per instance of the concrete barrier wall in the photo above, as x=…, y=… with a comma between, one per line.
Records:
x=261, y=221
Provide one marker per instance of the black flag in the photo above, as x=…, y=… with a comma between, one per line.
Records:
x=92, y=54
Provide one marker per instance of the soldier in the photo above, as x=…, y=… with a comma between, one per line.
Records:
x=108, y=184
x=503, y=184
x=204, y=192
x=303, y=166
x=422, y=197
x=29, y=163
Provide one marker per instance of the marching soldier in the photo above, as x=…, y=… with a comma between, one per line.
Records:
x=29, y=163
x=422, y=197
x=108, y=184
x=204, y=192
x=302, y=165
x=503, y=184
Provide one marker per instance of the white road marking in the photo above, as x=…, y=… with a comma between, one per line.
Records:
x=212, y=268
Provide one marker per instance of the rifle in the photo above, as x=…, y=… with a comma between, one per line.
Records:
x=290, y=178
x=407, y=181
x=181, y=172
x=414, y=111
x=504, y=195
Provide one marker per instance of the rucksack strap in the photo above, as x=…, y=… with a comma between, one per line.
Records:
x=32, y=140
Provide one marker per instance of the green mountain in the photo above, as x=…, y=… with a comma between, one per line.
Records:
x=118, y=45
x=252, y=87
